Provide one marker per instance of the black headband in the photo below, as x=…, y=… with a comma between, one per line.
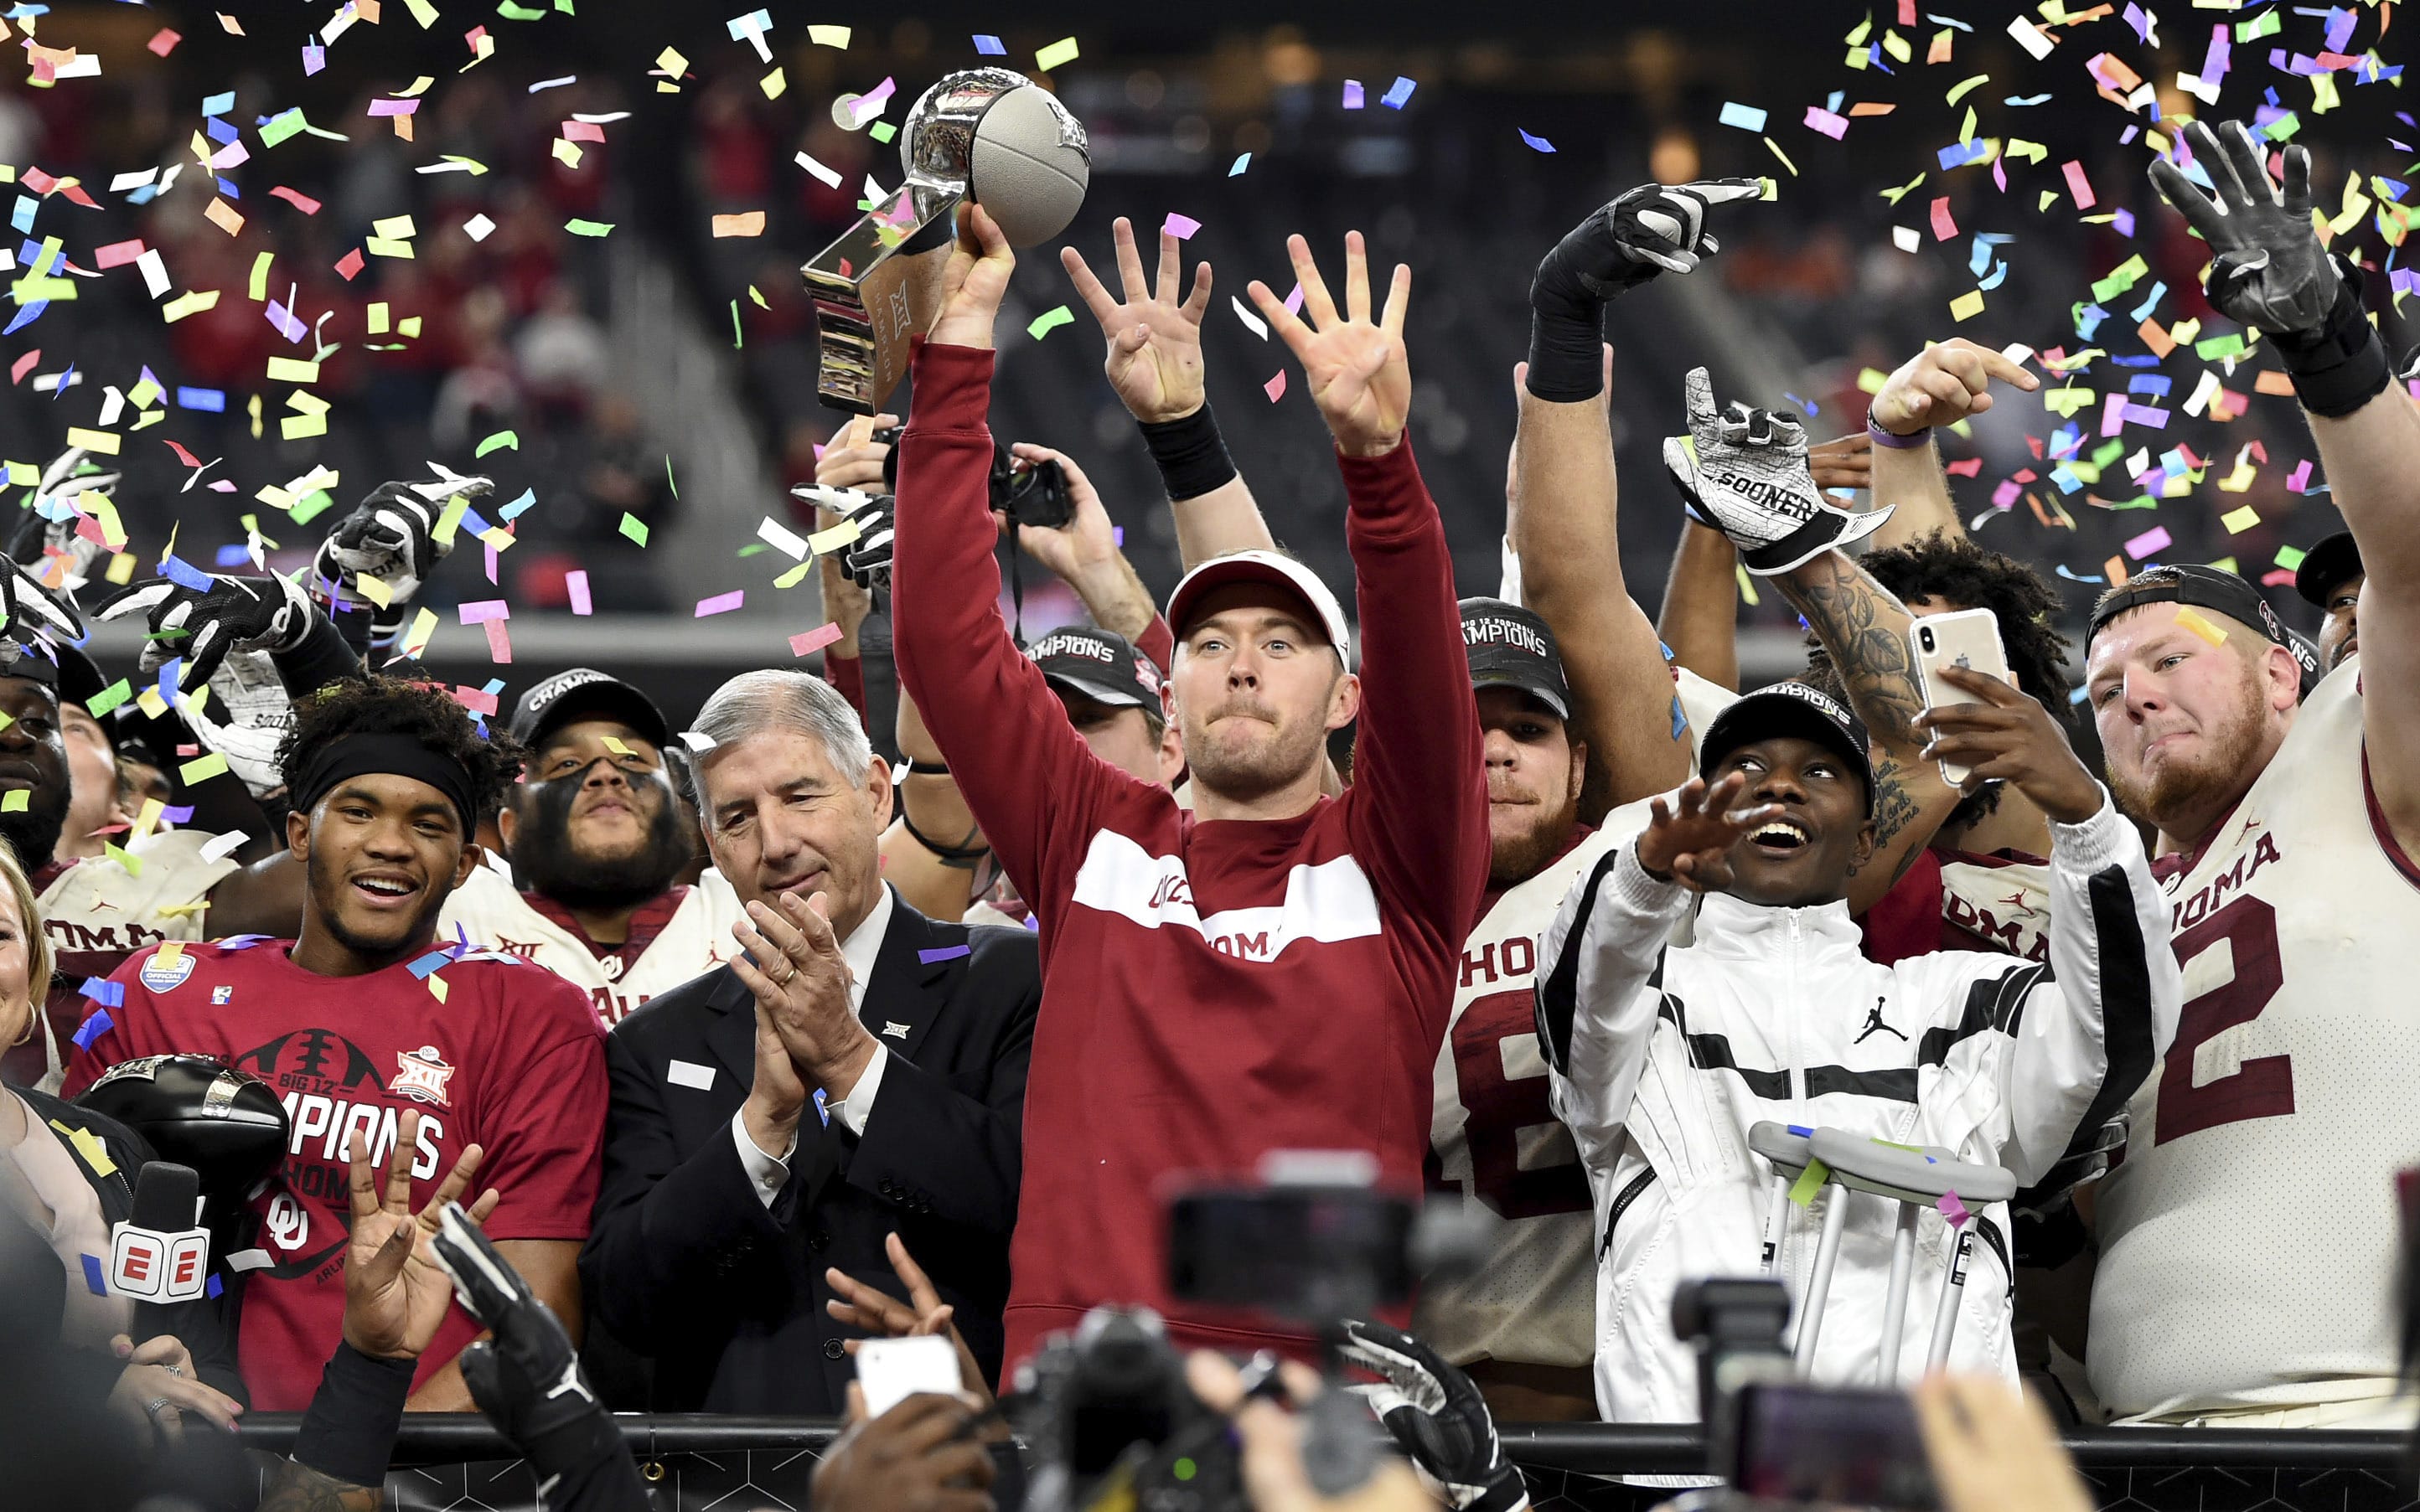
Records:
x=2204, y=588
x=395, y=755
x=32, y=662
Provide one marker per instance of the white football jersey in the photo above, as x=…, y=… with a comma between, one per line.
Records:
x=99, y=904
x=1493, y=1137
x=694, y=940
x=2248, y=1239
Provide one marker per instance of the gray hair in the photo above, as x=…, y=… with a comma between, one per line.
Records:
x=781, y=699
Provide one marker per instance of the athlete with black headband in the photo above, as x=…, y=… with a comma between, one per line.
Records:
x=368, y=1014
x=2268, y=1144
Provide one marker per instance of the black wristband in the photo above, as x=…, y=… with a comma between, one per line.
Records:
x=1191, y=454
x=322, y=657
x=349, y=1430
x=1566, y=349
x=2342, y=364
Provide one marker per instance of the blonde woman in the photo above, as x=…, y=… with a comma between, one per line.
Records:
x=65, y=1176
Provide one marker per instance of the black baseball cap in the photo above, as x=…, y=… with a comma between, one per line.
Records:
x=1101, y=665
x=1790, y=709
x=80, y=677
x=2327, y=566
x=2202, y=587
x=585, y=693
x=1511, y=647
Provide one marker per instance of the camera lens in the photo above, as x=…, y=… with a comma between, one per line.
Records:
x=1925, y=637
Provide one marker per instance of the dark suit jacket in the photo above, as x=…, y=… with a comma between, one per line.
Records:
x=685, y=1263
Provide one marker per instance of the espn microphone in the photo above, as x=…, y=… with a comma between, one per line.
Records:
x=159, y=1255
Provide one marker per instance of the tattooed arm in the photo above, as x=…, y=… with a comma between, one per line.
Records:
x=291, y=1488
x=1864, y=628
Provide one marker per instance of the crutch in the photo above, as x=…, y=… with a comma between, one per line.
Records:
x=1916, y=1180
x=1783, y=1145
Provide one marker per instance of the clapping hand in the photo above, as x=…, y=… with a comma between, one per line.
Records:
x=1154, y=356
x=2267, y=269
x=1358, y=373
x=396, y=1293
x=1690, y=839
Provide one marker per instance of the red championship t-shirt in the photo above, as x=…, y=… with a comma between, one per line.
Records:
x=510, y=1058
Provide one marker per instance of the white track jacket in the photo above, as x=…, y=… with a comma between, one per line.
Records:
x=1662, y=1055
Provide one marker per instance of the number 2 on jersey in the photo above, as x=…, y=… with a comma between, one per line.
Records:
x=1499, y=1107
x=2260, y=1088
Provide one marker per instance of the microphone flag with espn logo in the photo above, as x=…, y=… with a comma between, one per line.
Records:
x=159, y=1255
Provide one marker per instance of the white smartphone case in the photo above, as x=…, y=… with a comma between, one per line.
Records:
x=1963, y=638
x=889, y=1371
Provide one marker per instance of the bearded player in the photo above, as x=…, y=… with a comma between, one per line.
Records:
x=360, y=1018
x=2248, y=1239
x=597, y=840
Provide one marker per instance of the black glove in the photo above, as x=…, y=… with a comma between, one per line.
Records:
x=28, y=610
x=391, y=538
x=1438, y=1418
x=267, y=614
x=2267, y=269
x=527, y=1378
x=1648, y=230
x=868, y=558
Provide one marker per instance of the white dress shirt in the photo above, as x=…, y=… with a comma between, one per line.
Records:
x=770, y=1173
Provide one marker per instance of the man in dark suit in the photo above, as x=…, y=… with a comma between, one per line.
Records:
x=860, y=1071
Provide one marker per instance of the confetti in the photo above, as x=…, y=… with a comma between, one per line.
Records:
x=808, y=642
x=1276, y=387
x=946, y=952
x=721, y=603
x=1746, y=118
x=827, y=35
x=1540, y=143
x=746, y=224
x=574, y=587
x=202, y=768
x=1236, y=168
x=1810, y=1180
x=633, y=526
x=1179, y=226
x=588, y=229
x=989, y=46
x=163, y=41
x=1353, y=95
x=1967, y=305
x=2191, y=619
x=2154, y=539
x=1047, y=321
x=1398, y=94
x=1952, y=1209
x=2077, y=185
x=1057, y=55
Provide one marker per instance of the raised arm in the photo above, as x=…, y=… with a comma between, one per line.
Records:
x=1418, y=806
x=2270, y=270
x=1699, y=620
x=1084, y=554
x=1567, y=531
x=1154, y=364
x=1940, y=385
x=1009, y=745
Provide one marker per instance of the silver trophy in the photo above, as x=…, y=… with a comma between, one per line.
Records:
x=990, y=135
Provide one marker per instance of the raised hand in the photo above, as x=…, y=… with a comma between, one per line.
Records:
x=1690, y=837
x=1745, y=473
x=390, y=538
x=1943, y=384
x=2007, y=736
x=1358, y=371
x=973, y=281
x=1437, y=1418
x=396, y=1293
x=2267, y=269
x=244, y=716
x=49, y=530
x=1842, y=462
x=269, y=614
x=1154, y=357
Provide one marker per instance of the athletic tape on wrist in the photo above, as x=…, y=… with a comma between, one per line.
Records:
x=2341, y=366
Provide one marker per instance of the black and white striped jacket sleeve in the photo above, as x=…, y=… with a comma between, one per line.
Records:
x=2087, y=1028
x=1596, y=989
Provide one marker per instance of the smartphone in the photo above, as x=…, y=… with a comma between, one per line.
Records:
x=889, y=1371
x=1967, y=638
x=1837, y=1447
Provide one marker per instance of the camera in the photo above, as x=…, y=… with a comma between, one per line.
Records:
x=1106, y=1408
x=1775, y=1439
x=1035, y=495
x=1925, y=637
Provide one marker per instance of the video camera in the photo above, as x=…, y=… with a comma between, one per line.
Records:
x=1106, y=1409
x=1035, y=495
x=1778, y=1440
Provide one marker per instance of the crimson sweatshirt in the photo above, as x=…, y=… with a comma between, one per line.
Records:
x=1211, y=990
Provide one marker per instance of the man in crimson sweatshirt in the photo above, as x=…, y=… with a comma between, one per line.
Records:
x=1273, y=970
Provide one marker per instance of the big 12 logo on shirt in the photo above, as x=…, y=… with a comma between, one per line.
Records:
x=334, y=1094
